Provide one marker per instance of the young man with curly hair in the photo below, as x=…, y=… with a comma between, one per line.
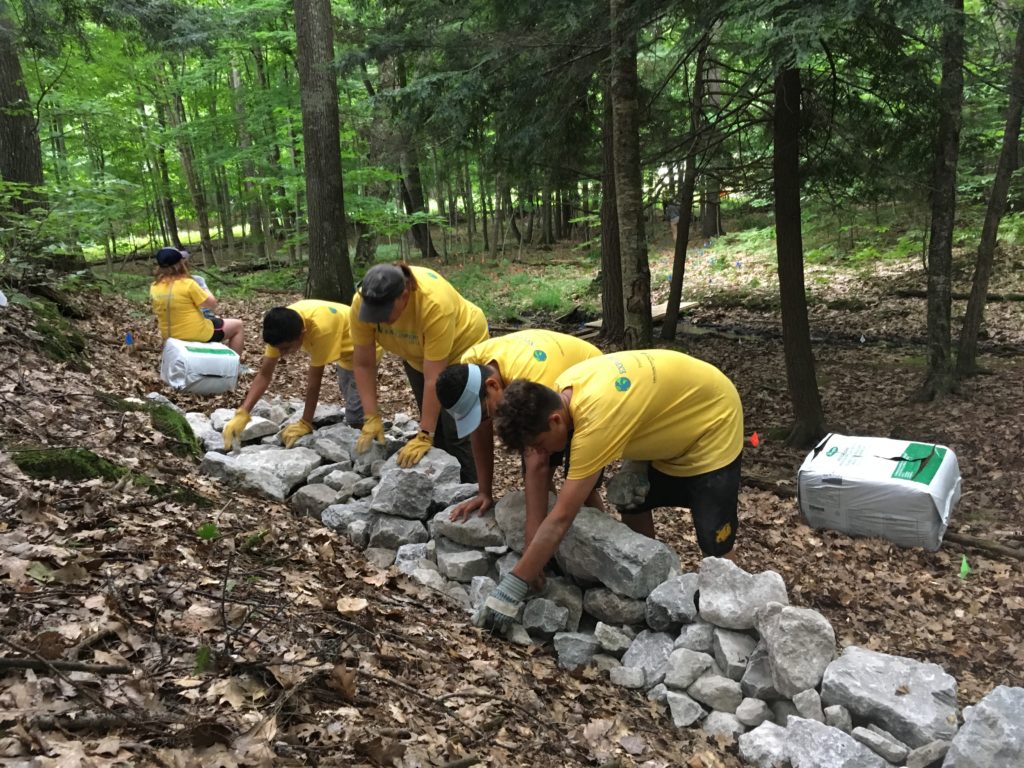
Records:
x=681, y=414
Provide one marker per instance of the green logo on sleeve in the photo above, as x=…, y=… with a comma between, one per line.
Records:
x=540, y=355
x=622, y=383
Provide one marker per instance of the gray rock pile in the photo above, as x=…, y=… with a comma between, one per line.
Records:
x=721, y=648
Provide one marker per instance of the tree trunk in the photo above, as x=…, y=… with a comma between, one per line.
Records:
x=612, y=317
x=166, y=199
x=330, y=274
x=176, y=114
x=467, y=196
x=257, y=234
x=966, y=360
x=499, y=222
x=414, y=203
x=939, y=379
x=483, y=204
x=686, y=189
x=636, y=274
x=809, y=419
x=21, y=156
x=512, y=223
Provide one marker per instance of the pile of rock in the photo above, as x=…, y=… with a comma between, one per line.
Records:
x=721, y=648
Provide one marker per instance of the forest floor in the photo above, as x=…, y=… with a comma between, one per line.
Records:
x=265, y=639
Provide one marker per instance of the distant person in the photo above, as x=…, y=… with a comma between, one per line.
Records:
x=321, y=329
x=471, y=390
x=672, y=217
x=418, y=315
x=681, y=414
x=184, y=306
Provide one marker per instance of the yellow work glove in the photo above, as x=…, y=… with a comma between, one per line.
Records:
x=233, y=429
x=410, y=454
x=372, y=430
x=293, y=432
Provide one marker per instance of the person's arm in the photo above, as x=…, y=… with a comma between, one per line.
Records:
x=482, y=442
x=209, y=302
x=314, y=377
x=538, y=483
x=364, y=367
x=551, y=532
x=431, y=409
x=260, y=383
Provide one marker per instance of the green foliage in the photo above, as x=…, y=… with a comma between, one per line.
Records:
x=204, y=659
x=73, y=464
x=208, y=531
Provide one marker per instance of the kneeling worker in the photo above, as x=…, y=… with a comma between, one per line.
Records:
x=681, y=414
x=471, y=391
x=321, y=330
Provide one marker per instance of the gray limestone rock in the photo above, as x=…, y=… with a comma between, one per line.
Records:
x=460, y=563
x=382, y=558
x=344, y=481
x=220, y=417
x=612, y=639
x=800, y=643
x=601, y=549
x=358, y=532
x=477, y=531
x=753, y=712
x=808, y=705
x=628, y=488
x=928, y=756
x=782, y=710
x=211, y=439
x=838, y=717
x=480, y=587
x=574, y=649
x=699, y=636
x=882, y=743
x=717, y=692
x=327, y=414
x=392, y=532
x=649, y=651
x=159, y=399
x=764, y=747
x=732, y=651
x=757, y=679
x=258, y=428
x=602, y=662
x=684, y=667
x=408, y=557
x=517, y=635
x=723, y=724
x=730, y=597
x=440, y=467
x=671, y=603
x=628, y=677
x=273, y=472
x=318, y=474
x=604, y=605
x=312, y=500
x=510, y=515
x=338, y=516
x=335, y=443
x=364, y=487
x=505, y=564
x=563, y=592
x=658, y=693
x=543, y=618
x=810, y=744
x=683, y=710
x=915, y=701
x=450, y=494
x=271, y=410
x=429, y=578
x=993, y=732
x=403, y=493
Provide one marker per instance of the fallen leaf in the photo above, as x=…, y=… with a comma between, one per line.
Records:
x=351, y=604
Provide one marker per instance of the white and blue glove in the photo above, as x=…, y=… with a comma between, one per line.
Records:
x=503, y=605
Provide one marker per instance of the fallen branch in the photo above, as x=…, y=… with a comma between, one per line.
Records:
x=917, y=293
x=984, y=544
x=46, y=665
x=767, y=484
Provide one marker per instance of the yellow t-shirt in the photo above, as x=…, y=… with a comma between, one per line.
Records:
x=179, y=300
x=680, y=413
x=534, y=355
x=328, y=336
x=436, y=324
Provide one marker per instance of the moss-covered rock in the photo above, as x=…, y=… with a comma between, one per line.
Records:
x=58, y=338
x=66, y=464
x=172, y=424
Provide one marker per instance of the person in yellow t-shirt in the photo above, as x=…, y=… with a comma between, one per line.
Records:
x=418, y=315
x=184, y=306
x=681, y=414
x=471, y=390
x=321, y=329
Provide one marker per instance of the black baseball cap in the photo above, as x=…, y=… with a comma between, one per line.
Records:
x=380, y=288
x=168, y=257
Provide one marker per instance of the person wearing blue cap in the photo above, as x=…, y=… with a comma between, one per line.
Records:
x=471, y=390
x=184, y=306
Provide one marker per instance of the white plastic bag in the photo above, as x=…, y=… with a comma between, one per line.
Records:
x=202, y=368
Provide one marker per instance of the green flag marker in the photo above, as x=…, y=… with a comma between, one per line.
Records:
x=964, y=567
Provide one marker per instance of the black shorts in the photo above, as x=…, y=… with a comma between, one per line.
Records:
x=711, y=498
x=218, y=329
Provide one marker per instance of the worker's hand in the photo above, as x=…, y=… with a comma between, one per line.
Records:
x=465, y=510
x=372, y=430
x=233, y=429
x=294, y=431
x=410, y=454
x=502, y=606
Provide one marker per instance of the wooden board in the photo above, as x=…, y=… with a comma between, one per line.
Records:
x=658, y=312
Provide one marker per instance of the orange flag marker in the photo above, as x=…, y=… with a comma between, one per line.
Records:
x=755, y=440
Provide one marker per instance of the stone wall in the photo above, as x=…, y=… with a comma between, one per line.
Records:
x=721, y=648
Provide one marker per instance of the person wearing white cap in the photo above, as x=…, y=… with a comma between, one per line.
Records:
x=184, y=306
x=471, y=390
x=418, y=315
